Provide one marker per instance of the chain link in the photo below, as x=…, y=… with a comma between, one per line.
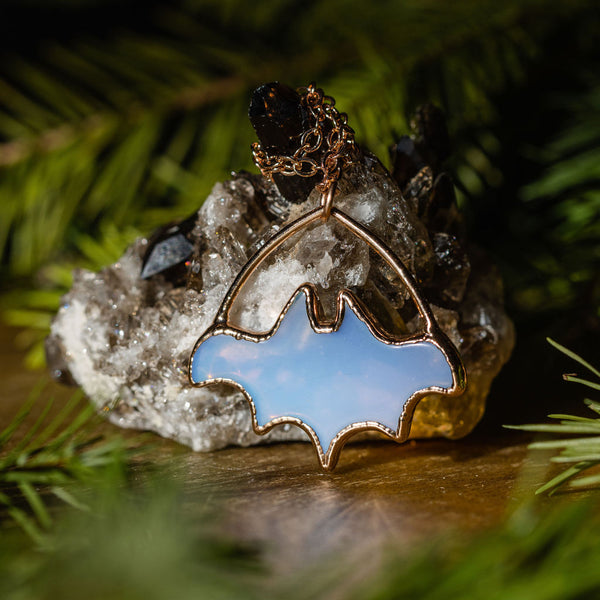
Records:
x=340, y=152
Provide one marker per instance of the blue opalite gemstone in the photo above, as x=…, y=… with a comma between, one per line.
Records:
x=327, y=380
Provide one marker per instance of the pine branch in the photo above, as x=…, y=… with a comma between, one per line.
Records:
x=551, y=254
x=98, y=149
x=70, y=118
x=581, y=452
x=46, y=457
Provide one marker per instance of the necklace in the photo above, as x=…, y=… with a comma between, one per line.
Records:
x=333, y=378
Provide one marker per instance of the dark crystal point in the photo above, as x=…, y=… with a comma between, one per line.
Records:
x=279, y=120
x=406, y=160
x=431, y=135
x=168, y=249
x=428, y=145
x=443, y=211
x=450, y=272
x=417, y=167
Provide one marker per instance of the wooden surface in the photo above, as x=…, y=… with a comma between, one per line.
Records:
x=380, y=492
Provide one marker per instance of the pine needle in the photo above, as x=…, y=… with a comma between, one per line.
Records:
x=583, y=451
x=65, y=451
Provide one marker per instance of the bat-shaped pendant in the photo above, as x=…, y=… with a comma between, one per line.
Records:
x=331, y=378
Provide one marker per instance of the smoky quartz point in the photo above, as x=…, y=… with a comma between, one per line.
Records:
x=125, y=334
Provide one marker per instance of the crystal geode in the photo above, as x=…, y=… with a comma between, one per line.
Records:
x=125, y=334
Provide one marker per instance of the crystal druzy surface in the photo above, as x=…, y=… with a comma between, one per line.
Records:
x=125, y=334
x=327, y=380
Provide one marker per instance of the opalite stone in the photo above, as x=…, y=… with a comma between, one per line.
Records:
x=329, y=381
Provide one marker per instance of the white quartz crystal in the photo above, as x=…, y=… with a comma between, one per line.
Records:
x=127, y=341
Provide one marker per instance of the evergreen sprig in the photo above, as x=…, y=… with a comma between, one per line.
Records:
x=108, y=133
x=132, y=543
x=91, y=138
x=581, y=452
x=42, y=456
x=560, y=210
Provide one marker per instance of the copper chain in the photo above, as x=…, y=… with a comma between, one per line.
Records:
x=340, y=152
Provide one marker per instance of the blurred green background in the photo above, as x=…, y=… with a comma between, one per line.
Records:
x=117, y=116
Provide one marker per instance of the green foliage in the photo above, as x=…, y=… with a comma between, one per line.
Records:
x=141, y=140
x=545, y=558
x=42, y=457
x=131, y=546
x=562, y=210
x=582, y=453
x=122, y=120
x=128, y=545
x=148, y=539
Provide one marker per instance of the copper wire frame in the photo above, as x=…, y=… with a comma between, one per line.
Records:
x=328, y=458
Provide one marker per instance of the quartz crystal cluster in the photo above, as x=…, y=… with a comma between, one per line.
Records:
x=125, y=334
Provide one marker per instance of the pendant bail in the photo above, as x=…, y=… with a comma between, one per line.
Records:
x=327, y=200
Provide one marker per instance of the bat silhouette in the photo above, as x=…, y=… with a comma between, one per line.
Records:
x=333, y=379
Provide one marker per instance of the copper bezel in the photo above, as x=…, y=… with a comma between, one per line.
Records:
x=328, y=458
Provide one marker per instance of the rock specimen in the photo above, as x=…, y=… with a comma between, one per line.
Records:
x=125, y=334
